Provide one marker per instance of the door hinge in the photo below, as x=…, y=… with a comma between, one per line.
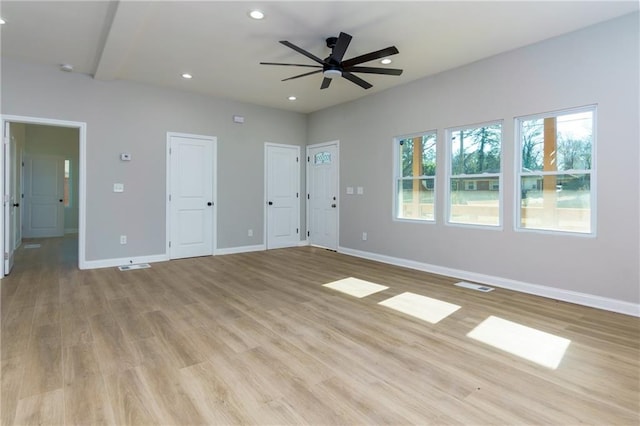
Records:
x=169, y=197
x=297, y=195
x=297, y=231
x=297, y=160
x=6, y=255
x=169, y=243
x=169, y=151
x=308, y=198
x=307, y=233
x=308, y=159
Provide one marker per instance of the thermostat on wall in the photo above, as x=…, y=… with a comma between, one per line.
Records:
x=125, y=156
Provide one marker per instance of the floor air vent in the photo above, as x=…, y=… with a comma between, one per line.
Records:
x=32, y=246
x=136, y=266
x=472, y=286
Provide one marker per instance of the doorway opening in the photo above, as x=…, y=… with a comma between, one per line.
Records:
x=44, y=181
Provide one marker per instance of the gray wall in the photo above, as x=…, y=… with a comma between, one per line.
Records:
x=129, y=117
x=598, y=65
x=61, y=141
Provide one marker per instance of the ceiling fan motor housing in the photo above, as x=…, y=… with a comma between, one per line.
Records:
x=331, y=42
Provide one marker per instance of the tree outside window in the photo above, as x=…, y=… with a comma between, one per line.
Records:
x=415, y=176
x=554, y=177
x=475, y=174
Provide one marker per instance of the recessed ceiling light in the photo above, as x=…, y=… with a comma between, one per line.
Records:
x=187, y=76
x=256, y=14
x=385, y=61
x=292, y=98
x=2, y=21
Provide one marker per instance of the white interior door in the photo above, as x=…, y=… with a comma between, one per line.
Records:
x=43, y=196
x=191, y=196
x=322, y=184
x=11, y=199
x=282, y=171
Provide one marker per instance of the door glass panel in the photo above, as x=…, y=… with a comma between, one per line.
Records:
x=322, y=158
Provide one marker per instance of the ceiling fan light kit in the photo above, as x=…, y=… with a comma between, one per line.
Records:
x=332, y=73
x=333, y=66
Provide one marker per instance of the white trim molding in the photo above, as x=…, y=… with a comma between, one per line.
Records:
x=109, y=263
x=585, y=299
x=241, y=249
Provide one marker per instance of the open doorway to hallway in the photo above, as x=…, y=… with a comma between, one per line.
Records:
x=43, y=184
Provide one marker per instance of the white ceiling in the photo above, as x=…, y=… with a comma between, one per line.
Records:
x=155, y=42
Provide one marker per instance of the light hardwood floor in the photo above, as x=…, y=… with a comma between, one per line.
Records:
x=256, y=339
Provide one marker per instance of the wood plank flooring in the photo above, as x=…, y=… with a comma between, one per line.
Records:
x=256, y=339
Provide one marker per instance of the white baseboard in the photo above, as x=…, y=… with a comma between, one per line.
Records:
x=585, y=299
x=242, y=249
x=109, y=263
x=303, y=243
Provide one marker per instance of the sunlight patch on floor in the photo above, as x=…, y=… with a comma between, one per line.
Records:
x=355, y=287
x=529, y=343
x=422, y=307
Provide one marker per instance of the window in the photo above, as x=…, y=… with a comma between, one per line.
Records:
x=67, y=183
x=555, y=167
x=415, y=176
x=475, y=170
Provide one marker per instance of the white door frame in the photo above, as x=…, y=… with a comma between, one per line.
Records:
x=214, y=226
x=320, y=145
x=82, y=176
x=266, y=147
x=9, y=201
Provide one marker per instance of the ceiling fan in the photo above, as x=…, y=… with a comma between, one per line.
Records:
x=333, y=66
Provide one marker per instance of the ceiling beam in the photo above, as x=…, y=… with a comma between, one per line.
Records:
x=127, y=22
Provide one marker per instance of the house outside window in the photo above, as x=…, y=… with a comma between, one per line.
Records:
x=474, y=175
x=555, y=171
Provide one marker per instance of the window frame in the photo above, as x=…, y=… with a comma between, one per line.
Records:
x=397, y=177
x=449, y=176
x=518, y=173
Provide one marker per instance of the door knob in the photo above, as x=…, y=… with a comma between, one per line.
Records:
x=209, y=203
x=61, y=200
x=270, y=203
x=16, y=205
x=333, y=206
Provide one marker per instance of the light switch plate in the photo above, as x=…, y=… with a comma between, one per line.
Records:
x=360, y=190
x=118, y=187
x=350, y=190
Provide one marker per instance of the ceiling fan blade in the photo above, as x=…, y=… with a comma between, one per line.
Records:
x=374, y=70
x=302, y=51
x=302, y=75
x=357, y=80
x=290, y=65
x=325, y=83
x=392, y=50
x=341, y=47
